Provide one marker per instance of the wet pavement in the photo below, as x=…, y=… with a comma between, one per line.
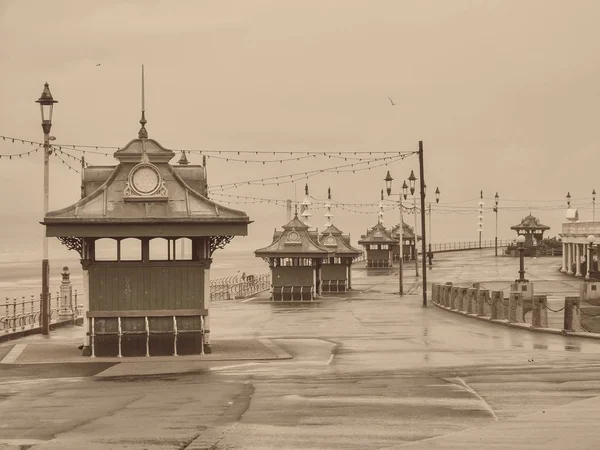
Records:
x=369, y=369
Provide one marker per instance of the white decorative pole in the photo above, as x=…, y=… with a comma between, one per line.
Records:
x=304, y=206
x=480, y=227
x=328, y=214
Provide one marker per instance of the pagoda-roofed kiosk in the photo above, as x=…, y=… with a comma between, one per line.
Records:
x=295, y=259
x=337, y=269
x=409, y=248
x=531, y=228
x=143, y=297
x=379, y=246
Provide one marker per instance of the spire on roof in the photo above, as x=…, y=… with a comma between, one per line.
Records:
x=143, y=133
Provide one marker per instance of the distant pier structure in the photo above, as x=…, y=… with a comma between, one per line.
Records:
x=144, y=297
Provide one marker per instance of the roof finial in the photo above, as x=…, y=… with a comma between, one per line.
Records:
x=296, y=210
x=183, y=160
x=329, y=193
x=143, y=134
x=306, y=188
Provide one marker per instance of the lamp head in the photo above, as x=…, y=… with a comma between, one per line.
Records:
x=388, y=183
x=591, y=238
x=411, y=180
x=404, y=189
x=520, y=239
x=46, y=102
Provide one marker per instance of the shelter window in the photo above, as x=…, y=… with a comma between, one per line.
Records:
x=159, y=249
x=131, y=249
x=385, y=247
x=106, y=249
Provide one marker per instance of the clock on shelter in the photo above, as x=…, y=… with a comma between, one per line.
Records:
x=146, y=298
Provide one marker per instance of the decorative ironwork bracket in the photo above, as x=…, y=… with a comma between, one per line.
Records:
x=219, y=242
x=73, y=243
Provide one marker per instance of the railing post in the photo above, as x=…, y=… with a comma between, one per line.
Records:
x=65, y=308
x=22, y=313
x=571, y=318
x=539, y=311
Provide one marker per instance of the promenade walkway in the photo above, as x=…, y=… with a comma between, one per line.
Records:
x=366, y=369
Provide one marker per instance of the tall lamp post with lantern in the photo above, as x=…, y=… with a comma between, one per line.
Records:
x=388, y=187
x=437, y=200
x=46, y=102
x=496, y=197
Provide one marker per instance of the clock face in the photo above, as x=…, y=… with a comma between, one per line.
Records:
x=145, y=180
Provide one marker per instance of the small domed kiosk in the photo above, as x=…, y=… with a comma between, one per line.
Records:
x=337, y=269
x=146, y=299
x=295, y=259
x=409, y=248
x=379, y=246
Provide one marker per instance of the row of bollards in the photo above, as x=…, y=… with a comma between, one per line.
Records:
x=495, y=307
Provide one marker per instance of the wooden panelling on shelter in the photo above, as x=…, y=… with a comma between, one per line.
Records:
x=120, y=287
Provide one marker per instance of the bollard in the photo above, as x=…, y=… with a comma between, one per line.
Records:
x=471, y=296
x=462, y=299
x=452, y=298
x=454, y=293
x=496, y=312
x=448, y=292
x=482, y=296
x=571, y=318
x=539, y=311
x=515, y=307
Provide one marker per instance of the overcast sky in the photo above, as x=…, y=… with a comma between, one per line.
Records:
x=504, y=94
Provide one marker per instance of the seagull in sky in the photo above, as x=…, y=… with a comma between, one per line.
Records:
x=391, y=101
x=98, y=64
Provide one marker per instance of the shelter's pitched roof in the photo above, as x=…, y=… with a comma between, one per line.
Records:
x=145, y=189
x=334, y=239
x=295, y=241
x=378, y=235
x=408, y=232
x=530, y=223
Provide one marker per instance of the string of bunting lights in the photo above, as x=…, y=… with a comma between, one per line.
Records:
x=282, y=179
x=66, y=163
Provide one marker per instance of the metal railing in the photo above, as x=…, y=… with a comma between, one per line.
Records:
x=230, y=288
x=25, y=313
x=469, y=245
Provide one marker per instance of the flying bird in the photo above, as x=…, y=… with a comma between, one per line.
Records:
x=391, y=101
x=98, y=65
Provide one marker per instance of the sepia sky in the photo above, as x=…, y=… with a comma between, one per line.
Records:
x=504, y=94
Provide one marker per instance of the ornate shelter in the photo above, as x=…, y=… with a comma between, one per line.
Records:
x=409, y=245
x=379, y=246
x=531, y=228
x=295, y=258
x=337, y=269
x=145, y=298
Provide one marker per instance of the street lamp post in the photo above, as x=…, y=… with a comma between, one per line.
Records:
x=46, y=106
x=411, y=181
x=521, y=241
x=591, y=274
x=437, y=200
x=388, y=187
x=480, y=227
x=496, y=197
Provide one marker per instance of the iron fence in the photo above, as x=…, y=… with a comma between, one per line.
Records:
x=230, y=288
x=26, y=312
x=469, y=245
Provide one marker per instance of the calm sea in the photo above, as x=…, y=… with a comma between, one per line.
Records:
x=23, y=278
